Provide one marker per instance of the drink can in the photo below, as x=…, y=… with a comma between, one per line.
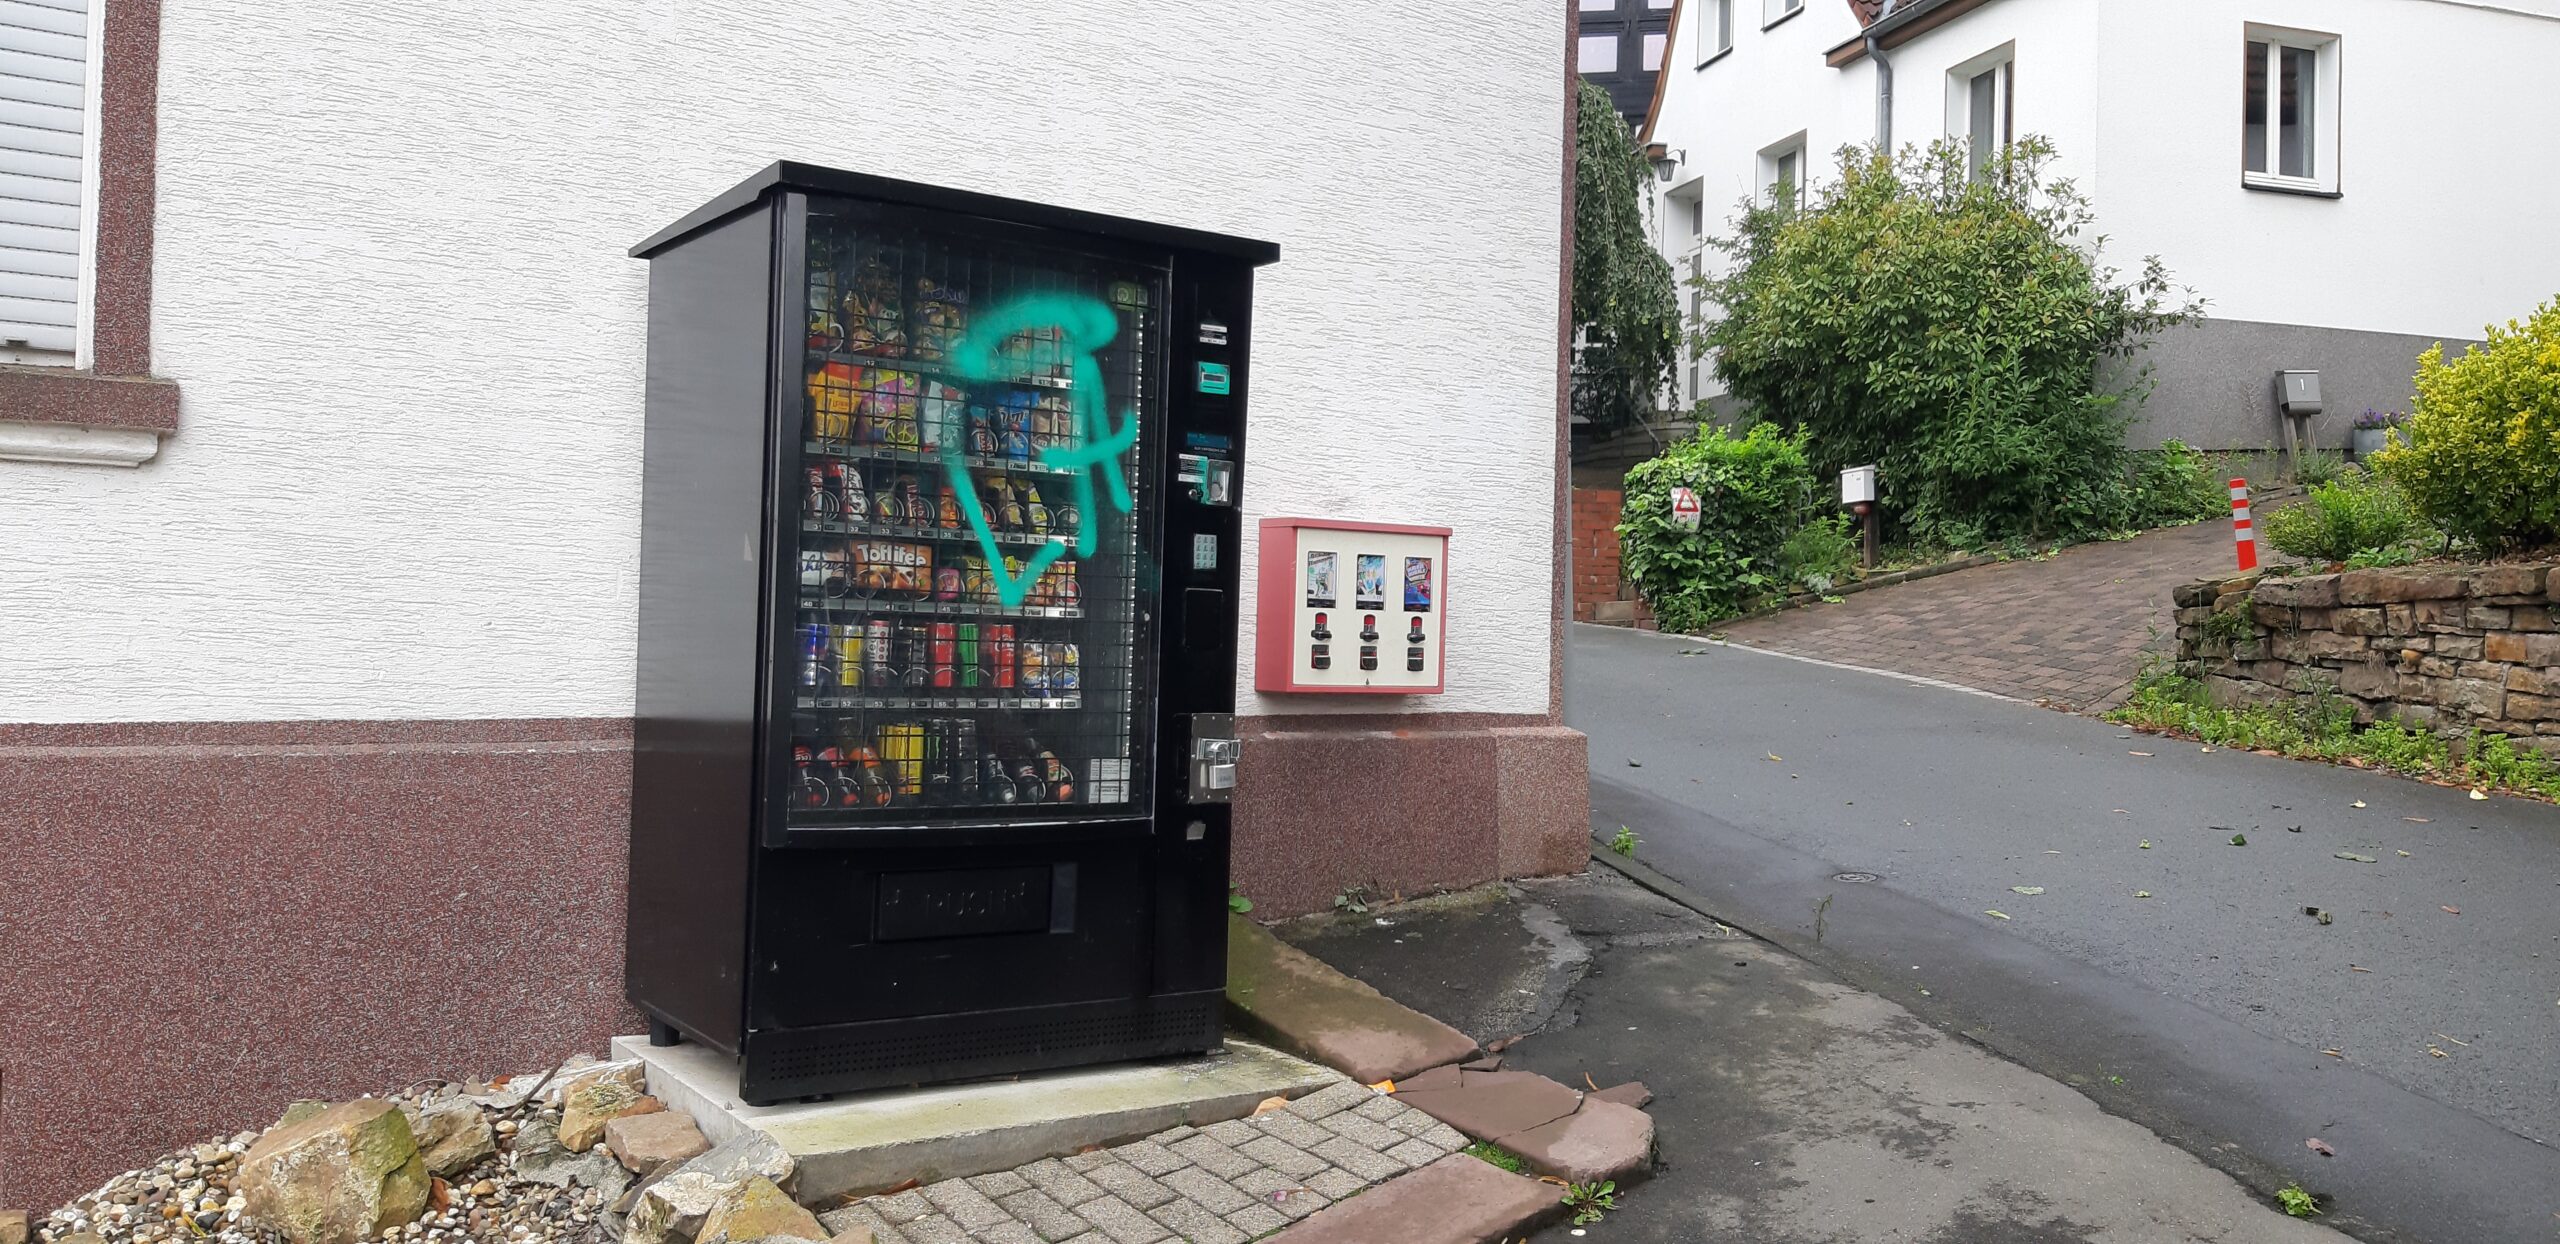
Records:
x=945, y=649
x=972, y=674
x=937, y=760
x=1034, y=678
x=1061, y=779
x=915, y=644
x=821, y=502
x=856, y=504
x=877, y=655
x=964, y=760
x=816, y=648
x=1000, y=656
x=1064, y=677
x=849, y=655
x=902, y=748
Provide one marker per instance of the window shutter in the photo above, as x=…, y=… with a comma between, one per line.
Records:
x=44, y=65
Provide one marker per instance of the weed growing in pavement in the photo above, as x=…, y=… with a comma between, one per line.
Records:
x=1236, y=901
x=1487, y=1151
x=2231, y=626
x=1589, y=1201
x=2297, y=1202
x=1624, y=842
x=2321, y=726
x=1354, y=900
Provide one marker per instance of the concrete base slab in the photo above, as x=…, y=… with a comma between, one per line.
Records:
x=865, y=1142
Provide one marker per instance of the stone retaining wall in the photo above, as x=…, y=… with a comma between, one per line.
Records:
x=2455, y=648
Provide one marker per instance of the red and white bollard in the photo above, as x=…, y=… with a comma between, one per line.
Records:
x=2243, y=533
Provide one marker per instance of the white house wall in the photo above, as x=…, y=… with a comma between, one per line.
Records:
x=390, y=277
x=2446, y=111
x=2446, y=140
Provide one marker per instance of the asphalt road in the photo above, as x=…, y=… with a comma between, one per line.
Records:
x=2202, y=1011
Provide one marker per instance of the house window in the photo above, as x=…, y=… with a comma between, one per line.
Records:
x=1697, y=218
x=1782, y=173
x=1598, y=6
x=46, y=111
x=1773, y=12
x=1979, y=93
x=1599, y=53
x=1653, y=45
x=2289, y=110
x=1715, y=30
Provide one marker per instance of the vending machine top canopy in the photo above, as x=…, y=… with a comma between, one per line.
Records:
x=793, y=175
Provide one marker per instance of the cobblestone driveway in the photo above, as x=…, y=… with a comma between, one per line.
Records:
x=1223, y=1184
x=2068, y=632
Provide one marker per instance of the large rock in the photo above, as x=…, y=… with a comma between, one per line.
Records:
x=595, y=1103
x=676, y=1204
x=337, y=1177
x=453, y=1137
x=541, y=1157
x=13, y=1226
x=758, y=1210
x=645, y=1142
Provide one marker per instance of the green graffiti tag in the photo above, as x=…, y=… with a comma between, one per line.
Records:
x=1095, y=442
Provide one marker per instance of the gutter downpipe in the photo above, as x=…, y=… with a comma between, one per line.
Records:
x=1884, y=81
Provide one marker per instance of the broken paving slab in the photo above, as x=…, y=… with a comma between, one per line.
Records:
x=1603, y=1140
x=1456, y=1200
x=1559, y=1130
x=863, y=1142
x=1293, y=1000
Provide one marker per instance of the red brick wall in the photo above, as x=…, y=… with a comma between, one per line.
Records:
x=1595, y=549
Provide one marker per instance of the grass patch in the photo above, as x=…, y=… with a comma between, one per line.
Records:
x=1487, y=1151
x=2320, y=725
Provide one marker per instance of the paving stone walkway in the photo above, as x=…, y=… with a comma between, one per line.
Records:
x=2069, y=632
x=1222, y=1184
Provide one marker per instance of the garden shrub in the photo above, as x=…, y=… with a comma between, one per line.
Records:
x=1949, y=329
x=2176, y=484
x=2337, y=521
x=1753, y=490
x=2479, y=456
x=1820, y=554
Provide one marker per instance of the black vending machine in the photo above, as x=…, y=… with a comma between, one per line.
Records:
x=937, y=634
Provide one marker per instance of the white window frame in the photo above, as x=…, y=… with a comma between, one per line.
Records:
x=2326, y=106
x=1773, y=12
x=83, y=317
x=1715, y=30
x=2001, y=61
x=1770, y=157
x=1653, y=49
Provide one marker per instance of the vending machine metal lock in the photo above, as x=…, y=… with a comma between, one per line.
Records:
x=1214, y=752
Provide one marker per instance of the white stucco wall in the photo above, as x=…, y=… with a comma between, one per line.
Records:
x=390, y=277
x=2446, y=105
x=2445, y=144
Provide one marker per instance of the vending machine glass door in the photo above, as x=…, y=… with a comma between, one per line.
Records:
x=969, y=613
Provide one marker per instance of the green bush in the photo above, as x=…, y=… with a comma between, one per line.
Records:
x=2175, y=484
x=2338, y=521
x=2314, y=467
x=2480, y=454
x=1820, y=554
x=1753, y=490
x=1949, y=328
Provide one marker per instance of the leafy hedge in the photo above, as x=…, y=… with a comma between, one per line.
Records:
x=2480, y=454
x=1948, y=328
x=1754, y=491
x=2356, y=514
